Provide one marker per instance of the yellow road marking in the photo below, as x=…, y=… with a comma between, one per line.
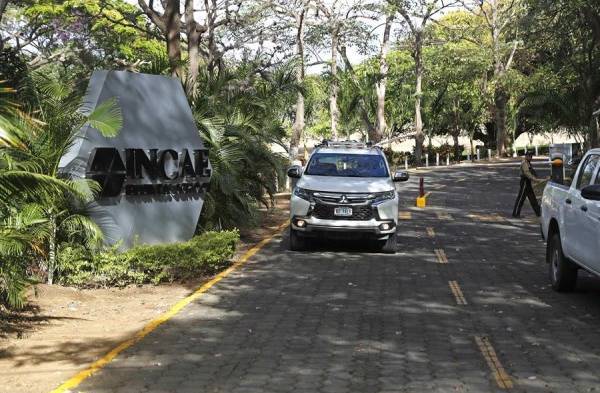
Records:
x=430, y=232
x=441, y=255
x=457, y=292
x=405, y=215
x=502, y=378
x=444, y=216
x=486, y=217
x=74, y=381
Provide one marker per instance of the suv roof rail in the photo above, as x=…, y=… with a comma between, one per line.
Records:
x=348, y=144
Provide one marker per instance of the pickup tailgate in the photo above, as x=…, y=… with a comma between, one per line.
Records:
x=553, y=202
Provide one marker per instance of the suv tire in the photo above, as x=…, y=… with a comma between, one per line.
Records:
x=297, y=242
x=563, y=273
x=389, y=246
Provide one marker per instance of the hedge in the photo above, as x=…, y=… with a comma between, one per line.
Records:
x=204, y=254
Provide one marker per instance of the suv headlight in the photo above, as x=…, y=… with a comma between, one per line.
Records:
x=303, y=193
x=384, y=196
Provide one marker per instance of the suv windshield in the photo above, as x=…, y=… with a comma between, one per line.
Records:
x=347, y=165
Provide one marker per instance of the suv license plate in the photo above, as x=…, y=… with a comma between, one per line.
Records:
x=343, y=211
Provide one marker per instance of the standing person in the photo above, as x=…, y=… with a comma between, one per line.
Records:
x=528, y=175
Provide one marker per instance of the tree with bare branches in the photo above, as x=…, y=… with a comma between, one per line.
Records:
x=381, y=84
x=169, y=23
x=200, y=27
x=499, y=18
x=417, y=14
x=344, y=24
x=294, y=16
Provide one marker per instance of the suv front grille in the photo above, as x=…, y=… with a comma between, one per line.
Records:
x=331, y=197
x=359, y=213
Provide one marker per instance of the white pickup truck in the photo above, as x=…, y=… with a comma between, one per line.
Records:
x=571, y=224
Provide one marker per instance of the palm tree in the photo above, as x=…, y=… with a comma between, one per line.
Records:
x=29, y=163
x=240, y=117
x=21, y=232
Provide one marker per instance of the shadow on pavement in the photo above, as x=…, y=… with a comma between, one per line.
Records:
x=343, y=319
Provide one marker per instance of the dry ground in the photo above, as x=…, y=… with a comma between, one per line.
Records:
x=65, y=329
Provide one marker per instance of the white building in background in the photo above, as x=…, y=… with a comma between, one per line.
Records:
x=524, y=141
x=408, y=146
x=405, y=146
x=529, y=140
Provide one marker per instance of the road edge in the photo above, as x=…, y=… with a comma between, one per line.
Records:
x=97, y=365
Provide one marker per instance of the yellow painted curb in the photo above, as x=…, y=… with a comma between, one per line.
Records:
x=74, y=381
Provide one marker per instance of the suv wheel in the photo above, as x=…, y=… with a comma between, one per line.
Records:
x=388, y=246
x=297, y=242
x=563, y=273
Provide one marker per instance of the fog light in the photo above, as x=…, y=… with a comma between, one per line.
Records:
x=385, y=227
x=300, y=223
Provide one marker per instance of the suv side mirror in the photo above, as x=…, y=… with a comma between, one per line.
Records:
x=591, y=193
x=400, y=176
x=295, y=172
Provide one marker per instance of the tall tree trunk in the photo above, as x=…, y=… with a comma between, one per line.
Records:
x=457, y=154
x=382, y=83
x=172, y=17
x=419, y=137
x=193, y=64
x=593, y=18
x=500, y=103
x=472, y=150
x=593, y=127
x=3, y=4
x=593, y=132
x=52, y=250
x=500, y=95
x=362, y=106
x=193, y=44
x=456, y=132
x=298, y=126
x=333, y=95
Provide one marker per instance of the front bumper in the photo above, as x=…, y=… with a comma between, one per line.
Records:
x=385, y=213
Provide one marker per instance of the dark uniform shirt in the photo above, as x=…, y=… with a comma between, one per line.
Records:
x=528, y=171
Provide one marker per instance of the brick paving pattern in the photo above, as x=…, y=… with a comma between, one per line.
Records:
x=343, y=319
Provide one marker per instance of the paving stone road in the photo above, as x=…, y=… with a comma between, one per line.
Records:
x=343, y=319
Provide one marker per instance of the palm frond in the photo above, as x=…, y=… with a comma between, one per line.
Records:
x=106, y=118
x=81, y=226
x=37, y=186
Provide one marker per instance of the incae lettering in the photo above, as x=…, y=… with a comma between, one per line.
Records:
x=106, y=167
x=164, y=156
x=186, y=169
x=137, y=160
x=201, y=162
x=150, y=164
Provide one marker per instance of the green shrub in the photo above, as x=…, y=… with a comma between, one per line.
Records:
x=204, y=254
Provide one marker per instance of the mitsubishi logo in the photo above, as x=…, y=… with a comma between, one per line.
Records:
x=344, y=199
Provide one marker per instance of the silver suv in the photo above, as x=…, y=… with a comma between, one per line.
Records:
x=346, y=189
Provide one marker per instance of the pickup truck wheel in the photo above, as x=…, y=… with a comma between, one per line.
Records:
x=563, y=273
x=297, y=242
x=389, y=246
